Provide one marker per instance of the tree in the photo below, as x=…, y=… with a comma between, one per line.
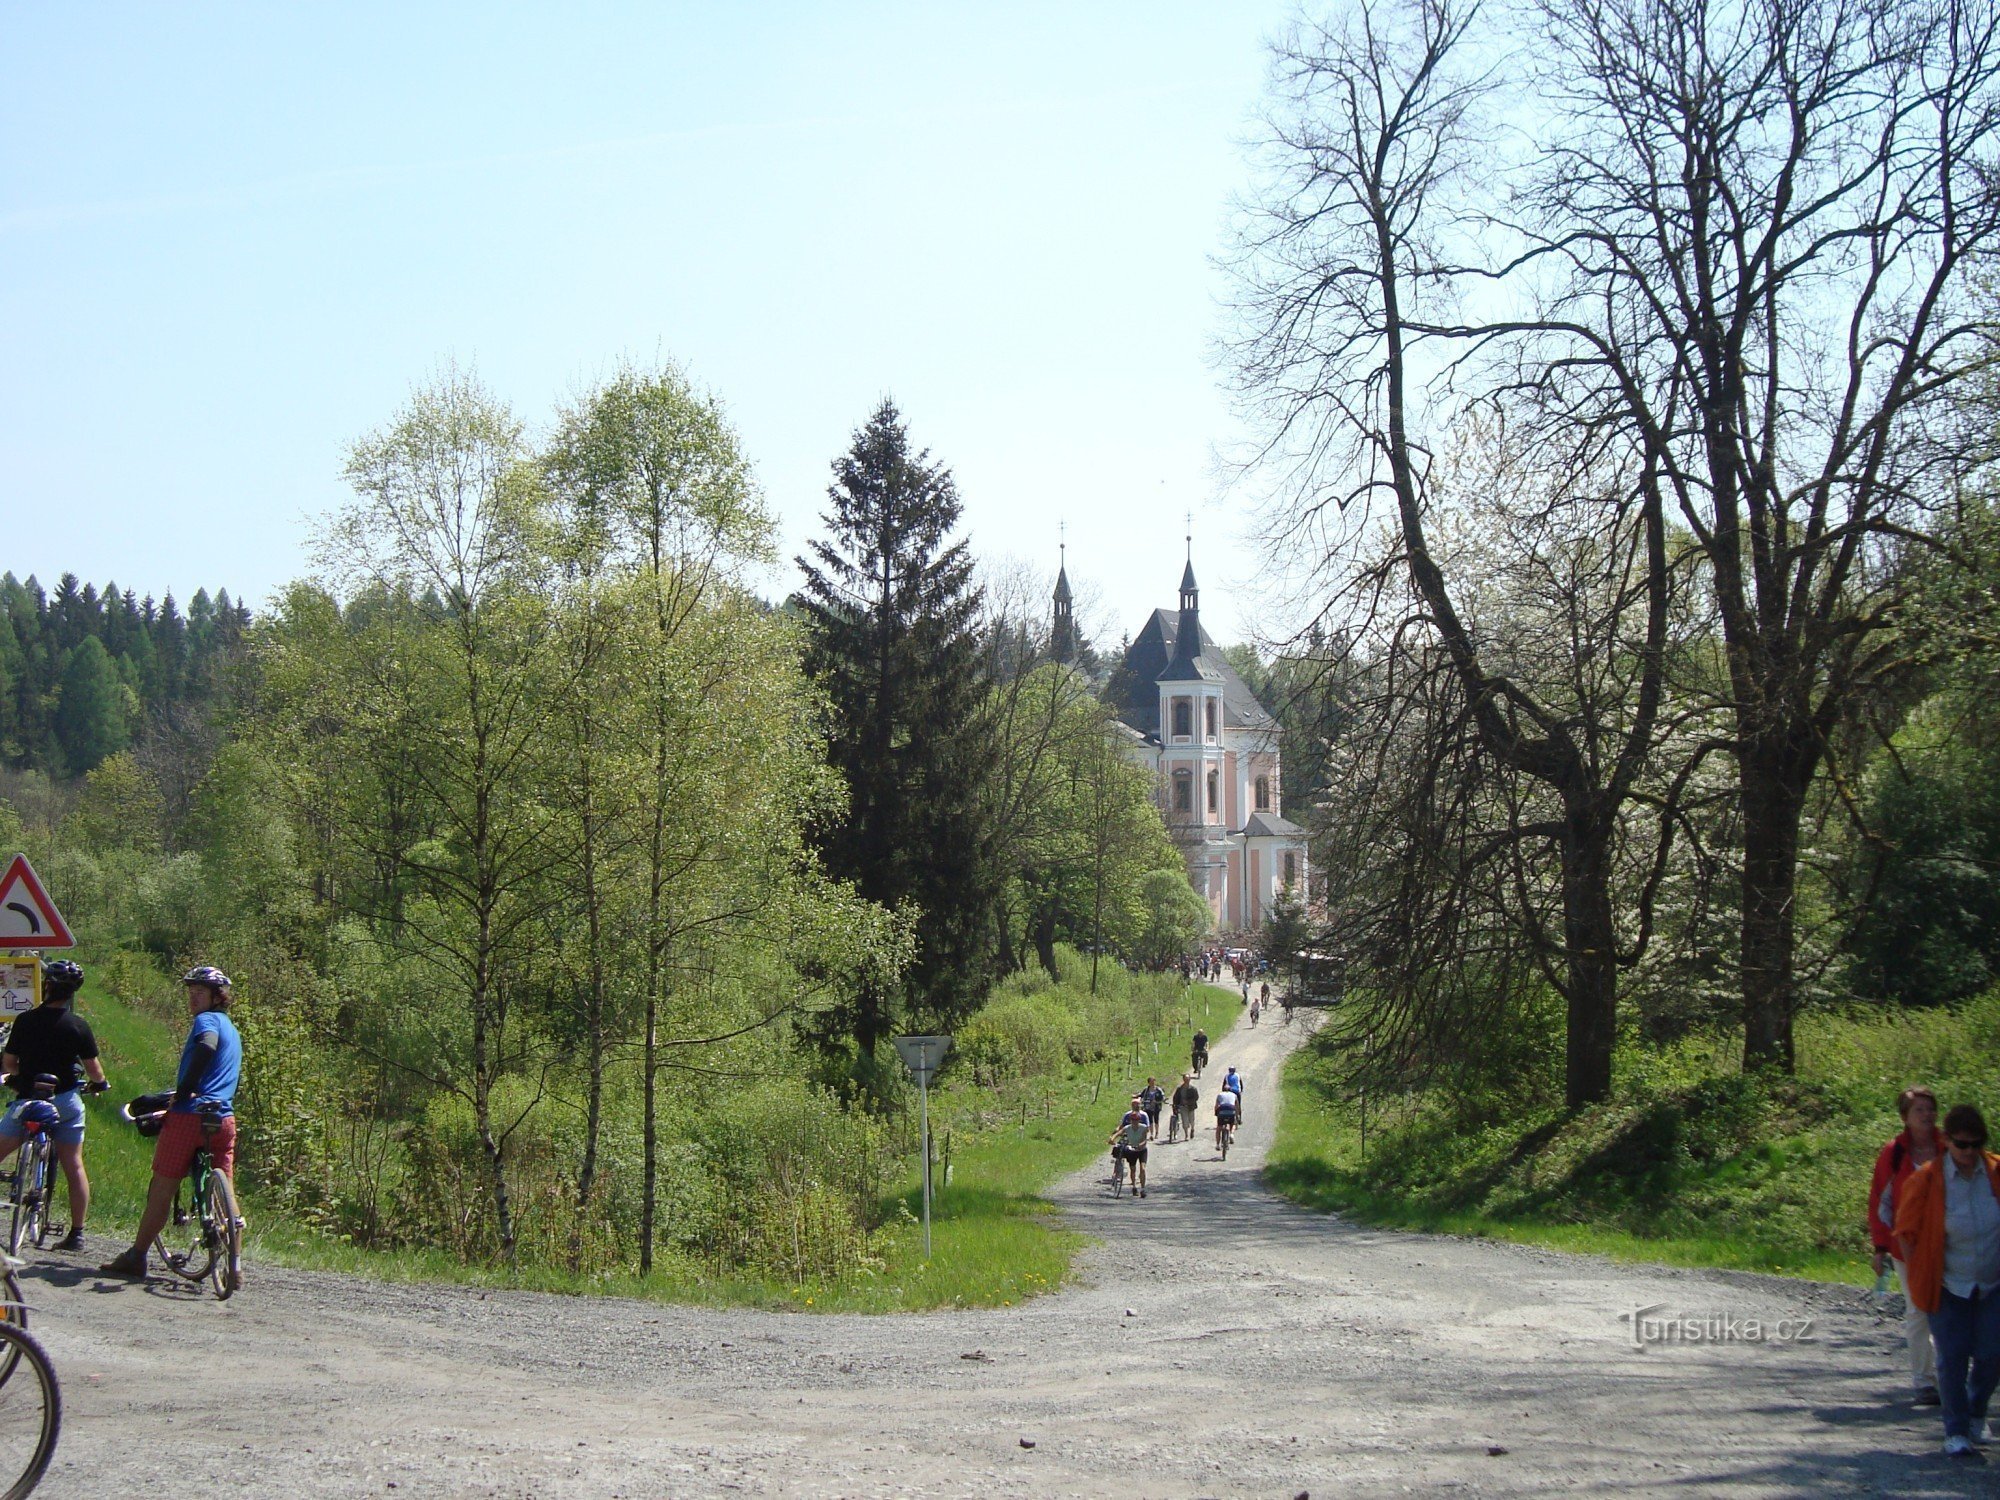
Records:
x=1344, y=278
x=444, y=505
x=90, y=718
x=891, y=608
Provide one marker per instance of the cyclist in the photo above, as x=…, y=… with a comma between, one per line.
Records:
x=1233, y=1081
x=1228, y=1111
x=1186, y=1097
x=1153, y=1099
x=1198, y=1053
x=51, y=1042
x=202, y=1112
x=1128, y=1143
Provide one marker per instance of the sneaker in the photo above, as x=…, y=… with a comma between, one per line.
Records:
x=1928, y=1396
x=1957, y=1446
x=129, y=1264
x=71, y=1241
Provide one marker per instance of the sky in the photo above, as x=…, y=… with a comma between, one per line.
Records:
x=234, y=238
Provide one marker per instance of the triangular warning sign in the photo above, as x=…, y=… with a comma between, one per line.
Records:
x=28, y=918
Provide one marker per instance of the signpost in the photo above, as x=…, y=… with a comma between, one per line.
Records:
x=923, y=1055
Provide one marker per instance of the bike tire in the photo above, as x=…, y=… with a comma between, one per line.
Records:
x=186, y=1248
x=14, y=1311
x=30, y=1413
x=226, y=1274
x=45, y=1227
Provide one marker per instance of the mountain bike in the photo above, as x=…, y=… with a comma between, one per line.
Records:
x=204, y=1240
x=30, y=1411
x=30, y=1186
x=1225, y=1132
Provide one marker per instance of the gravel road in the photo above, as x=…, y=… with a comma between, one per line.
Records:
x=1219, y=1342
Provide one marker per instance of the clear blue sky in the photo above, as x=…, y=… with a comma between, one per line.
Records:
x=232, y=238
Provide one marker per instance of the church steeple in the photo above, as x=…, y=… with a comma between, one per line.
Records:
x=1188, y=641
x=1062, y=637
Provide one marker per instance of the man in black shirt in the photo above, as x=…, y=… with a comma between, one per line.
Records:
x=53, y=1040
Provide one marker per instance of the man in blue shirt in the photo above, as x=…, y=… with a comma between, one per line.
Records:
x=203, y=1111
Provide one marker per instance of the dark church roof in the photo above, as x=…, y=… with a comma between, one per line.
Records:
x=1264, y=825
x=1147, y=660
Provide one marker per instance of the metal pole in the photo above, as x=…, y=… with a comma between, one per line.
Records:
x=924, y=1106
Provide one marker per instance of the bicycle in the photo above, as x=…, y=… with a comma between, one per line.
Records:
x=214, y=1250
x=1199, y=1058
x=30, y=1410
x=1118, y=1171
x=29, y=1188
x=1225, y=1132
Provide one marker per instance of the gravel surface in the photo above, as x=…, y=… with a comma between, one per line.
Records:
x=1219, y=1342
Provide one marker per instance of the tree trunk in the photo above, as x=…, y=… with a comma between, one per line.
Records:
x=1773, y=802
x=1591, y=951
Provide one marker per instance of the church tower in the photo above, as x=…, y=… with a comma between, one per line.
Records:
x=1062, y=638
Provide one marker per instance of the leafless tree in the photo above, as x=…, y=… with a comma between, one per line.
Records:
x=1350, y=286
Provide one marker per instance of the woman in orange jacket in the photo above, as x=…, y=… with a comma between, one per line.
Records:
x=1948, y=1230
x=1917, y=1143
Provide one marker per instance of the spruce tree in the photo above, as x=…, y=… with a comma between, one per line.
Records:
x=90, y=713
x=891, y=609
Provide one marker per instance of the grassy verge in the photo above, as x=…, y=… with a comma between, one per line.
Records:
x=995, y=1236
x=1690, y=1163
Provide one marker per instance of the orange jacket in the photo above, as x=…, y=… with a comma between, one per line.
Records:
x=1920, y=1218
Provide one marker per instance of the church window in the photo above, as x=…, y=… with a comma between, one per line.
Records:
x=1183, y=791
x=1291, y=868
x=1210, y=707
x=1263, y=794
x=1214, y=790
x=1183, y=718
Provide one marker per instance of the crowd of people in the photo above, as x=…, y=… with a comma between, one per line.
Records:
x=1139, y=1127
x=1934, y=1222
x=51, y=1056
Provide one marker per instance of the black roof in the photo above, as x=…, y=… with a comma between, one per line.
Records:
x=1149, y=656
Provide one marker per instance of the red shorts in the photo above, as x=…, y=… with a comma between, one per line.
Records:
x=183, y=1134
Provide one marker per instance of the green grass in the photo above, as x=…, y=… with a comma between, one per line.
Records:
x=1690, y=1163
x=996, y=1239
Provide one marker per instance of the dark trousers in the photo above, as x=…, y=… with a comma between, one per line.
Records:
x=1966, y=1331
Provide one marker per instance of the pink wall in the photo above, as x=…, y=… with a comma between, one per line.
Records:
x=1254, y=905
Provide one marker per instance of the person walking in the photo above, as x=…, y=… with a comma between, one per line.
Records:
x=1916, y=1145
x=1948, y=1230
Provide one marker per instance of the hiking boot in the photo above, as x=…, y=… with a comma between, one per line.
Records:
x=130, y=1264
x=73, y=1240
x=1927, y=1397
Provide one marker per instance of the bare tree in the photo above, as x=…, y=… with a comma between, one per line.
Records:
x=1349, y=290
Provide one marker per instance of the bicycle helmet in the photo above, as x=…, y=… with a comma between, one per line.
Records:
x=207, y=974
x=61, y=978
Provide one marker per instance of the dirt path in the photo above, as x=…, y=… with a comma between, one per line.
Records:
x=1222, y=1342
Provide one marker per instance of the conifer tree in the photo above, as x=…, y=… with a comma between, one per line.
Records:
x=891, y=608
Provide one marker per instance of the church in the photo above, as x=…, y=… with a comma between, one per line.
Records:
x=1212, y=750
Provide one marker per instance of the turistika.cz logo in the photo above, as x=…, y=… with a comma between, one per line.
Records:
x=1649, y=1327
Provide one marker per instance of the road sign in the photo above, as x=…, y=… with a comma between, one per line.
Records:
x=922, y=1055
x=20, y=986
x=28, y=918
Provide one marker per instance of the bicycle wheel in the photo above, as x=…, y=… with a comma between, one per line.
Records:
x=226, y=1275
x=30, y=1180
x=30, y=1414
x=45, y=1205
x=13, y=1311
x=187, y=1246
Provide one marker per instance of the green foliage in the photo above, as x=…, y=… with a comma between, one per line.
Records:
x=890, y=607
x=1175, y=917
x=92, y=718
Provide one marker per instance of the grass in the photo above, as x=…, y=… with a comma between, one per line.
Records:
x=996, y=1238
x=1691, y=1162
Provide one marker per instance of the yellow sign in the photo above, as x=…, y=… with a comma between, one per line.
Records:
x=20, y=985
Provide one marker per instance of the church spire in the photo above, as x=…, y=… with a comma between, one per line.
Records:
x=1062, y=638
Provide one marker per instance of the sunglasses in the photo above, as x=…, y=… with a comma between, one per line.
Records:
x=1967, y=1145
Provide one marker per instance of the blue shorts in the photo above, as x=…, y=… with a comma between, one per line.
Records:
x=67, y=1132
